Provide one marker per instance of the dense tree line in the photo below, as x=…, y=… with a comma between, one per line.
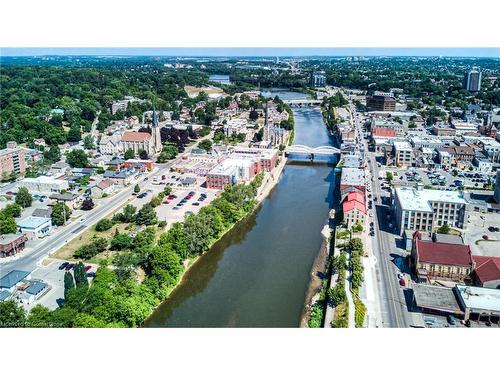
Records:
x=116, y=298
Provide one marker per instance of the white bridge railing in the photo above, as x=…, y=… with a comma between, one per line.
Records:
x=320, y=150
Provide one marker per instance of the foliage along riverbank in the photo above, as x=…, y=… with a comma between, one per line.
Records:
x=118, y=299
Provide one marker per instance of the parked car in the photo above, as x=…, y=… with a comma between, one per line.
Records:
x=87, y=268
x=402, y=282
x=63, y=265
x=400, y=276
x=91, y=274
x=196, y=203
x=69, y=266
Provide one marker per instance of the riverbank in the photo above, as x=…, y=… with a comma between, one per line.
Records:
x=268, y=184
x=318, y=274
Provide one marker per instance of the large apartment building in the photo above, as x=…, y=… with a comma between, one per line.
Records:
x=12, y=159
x=381, y=101
x=423, y=210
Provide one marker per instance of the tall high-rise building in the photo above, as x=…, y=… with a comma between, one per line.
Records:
x=472, y=80
x=318, y=79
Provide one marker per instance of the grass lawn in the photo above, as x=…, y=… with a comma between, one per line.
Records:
x=66, y=252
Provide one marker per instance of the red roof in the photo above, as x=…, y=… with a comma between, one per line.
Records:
x=487, y=268
x=135, y=137
x=105, y=183
x=350, y=205
x=383, y=132
x=355, y=196
x=443, y=253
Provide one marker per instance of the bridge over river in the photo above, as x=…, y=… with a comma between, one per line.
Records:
x=320, y=153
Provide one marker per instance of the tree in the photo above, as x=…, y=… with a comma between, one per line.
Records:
x=143, y=155
x=356, y=245
x=88, y=142
x=167, y=190
x=69, y=283
x=77, y=159
x=13, y=210
x=23, y=197
x=103, y=225
x=146, y=215
x=206, y=144
x=129, y=154
x=87, y=204
x=137, y=189
x=390, y=177
x=39, y=317
x=60, y=214
x=74, y=134
x=125, y=264
x=11, y=315
x=169, y=152
x=53, y=154
x=254, y=115
x=129, y=212
x=7, y=224
x=444, y=229
x=80, y=275
x=177, y=240
x=121, y=241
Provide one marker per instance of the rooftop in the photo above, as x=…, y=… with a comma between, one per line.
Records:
x=12, y=278
x=419, y=200
x=435, y=298
x=135, y=137
x=487, y=268
x=32, y=222
x=6, y=239
x=36, y=287
x=4, y=294
x=352, y=176
x=479, y=298
x=443, y=253
x=403, y=146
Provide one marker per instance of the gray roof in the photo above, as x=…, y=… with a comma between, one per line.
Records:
x=36, y=287
x=435, y=298
x=12, y=278
x=4, y=294
x=42, y=212
x=448, y=238
x=64, y=197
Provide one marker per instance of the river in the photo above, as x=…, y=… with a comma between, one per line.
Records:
x=258, y=274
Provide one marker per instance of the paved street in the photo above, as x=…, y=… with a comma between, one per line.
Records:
x=390, y=295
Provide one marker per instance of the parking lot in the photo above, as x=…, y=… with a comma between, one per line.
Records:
x=184, y=199
x=477, y=227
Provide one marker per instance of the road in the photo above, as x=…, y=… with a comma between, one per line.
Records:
x=391, y=300
x=62, y=235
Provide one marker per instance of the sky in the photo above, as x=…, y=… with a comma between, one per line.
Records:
x=458, y=52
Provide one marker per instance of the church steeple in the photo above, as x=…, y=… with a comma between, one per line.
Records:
x=156, y=131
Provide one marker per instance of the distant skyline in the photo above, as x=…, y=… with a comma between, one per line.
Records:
x=249, y=52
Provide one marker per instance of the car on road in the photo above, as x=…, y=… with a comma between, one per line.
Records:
x=402, y=282
x=82, y=220
x=63, y=265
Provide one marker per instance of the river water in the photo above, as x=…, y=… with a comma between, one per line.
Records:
x=257, y=275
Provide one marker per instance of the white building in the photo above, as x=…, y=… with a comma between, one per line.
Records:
x=44, y=184
x=35, y=227
x=425, y=209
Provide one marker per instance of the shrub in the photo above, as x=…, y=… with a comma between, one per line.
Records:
x=103, y=225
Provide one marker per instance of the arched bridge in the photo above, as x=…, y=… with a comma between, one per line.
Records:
x=306, y=150
x=303, y=101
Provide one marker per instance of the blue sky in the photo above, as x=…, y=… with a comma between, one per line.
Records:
x=466, y=52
